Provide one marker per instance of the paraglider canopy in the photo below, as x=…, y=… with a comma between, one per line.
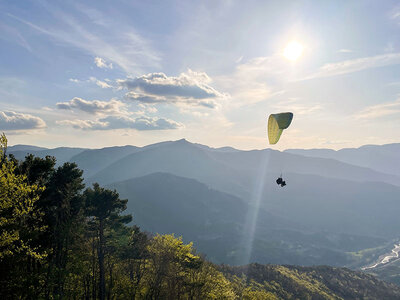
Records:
x=276, y=124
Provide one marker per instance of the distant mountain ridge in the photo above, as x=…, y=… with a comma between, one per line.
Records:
x=25, y=148
x=298, y=230
x=103, y=158
x=383, y=158
x=165, y=203
x=234, y=171
x=63, y=154
x=331, y=212
x=357, y=167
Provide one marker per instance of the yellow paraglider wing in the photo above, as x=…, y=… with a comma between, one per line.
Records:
x=274, y=133
x=276, y=124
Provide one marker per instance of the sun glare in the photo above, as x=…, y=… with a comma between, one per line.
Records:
x=293, y=51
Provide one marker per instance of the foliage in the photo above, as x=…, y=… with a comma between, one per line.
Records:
x=20, y=223
x=17, y=209
x=177, y=273
x=321, y=282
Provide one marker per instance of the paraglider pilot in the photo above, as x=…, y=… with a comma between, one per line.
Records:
x=280, y=181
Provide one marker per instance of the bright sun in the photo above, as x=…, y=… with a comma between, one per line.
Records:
x=293, y=50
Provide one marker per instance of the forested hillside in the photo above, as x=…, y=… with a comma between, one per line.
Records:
x=60, y=240
x=223, y=199
x=321, y=282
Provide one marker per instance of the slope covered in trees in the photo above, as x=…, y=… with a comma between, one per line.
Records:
x=321, y=282
x=62, y=240
x=286, y=231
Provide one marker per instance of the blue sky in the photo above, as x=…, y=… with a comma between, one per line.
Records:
x=102, y=73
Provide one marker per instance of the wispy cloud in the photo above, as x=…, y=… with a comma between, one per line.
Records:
x=355, y=65
x=119, y=44
x=100, y=83
x=94, y=106
x=380, y=110
x=101, y=63
x=123, y=122
x=95, y=16
x=10, y=120
x=256, y=80
x=394, y=14
x=11, y=33
x=191, y=88
x=297, y=106
x=103, y=84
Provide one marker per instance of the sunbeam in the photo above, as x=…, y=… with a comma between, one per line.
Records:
x=255, y=202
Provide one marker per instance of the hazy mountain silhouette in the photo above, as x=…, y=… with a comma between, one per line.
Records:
x=383, y=158
x=63, y=154
x=330, y=209
x=92, y=161
x=336, y=205
x=25, y=148
x=180, y=158
x=234, y=172
x=305, y=230
x=165, y=203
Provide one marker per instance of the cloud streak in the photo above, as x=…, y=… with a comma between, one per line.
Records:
x=11, y=33
x=123, y=122
x=10, y=120
x=380, y=110
x=355, y=65
x=103, y=84
x=127, y=49
x=94, y=107
x=100, y=83
x=297, y=106
x=256, y=80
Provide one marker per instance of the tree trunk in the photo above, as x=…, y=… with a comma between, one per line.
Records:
x=102, y=282
x=111, y=282
x=94, y=284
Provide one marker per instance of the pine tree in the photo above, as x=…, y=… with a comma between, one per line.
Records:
x=104, y=207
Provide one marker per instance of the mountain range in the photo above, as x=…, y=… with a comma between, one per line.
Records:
x=383, y=158
x=339, y=207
